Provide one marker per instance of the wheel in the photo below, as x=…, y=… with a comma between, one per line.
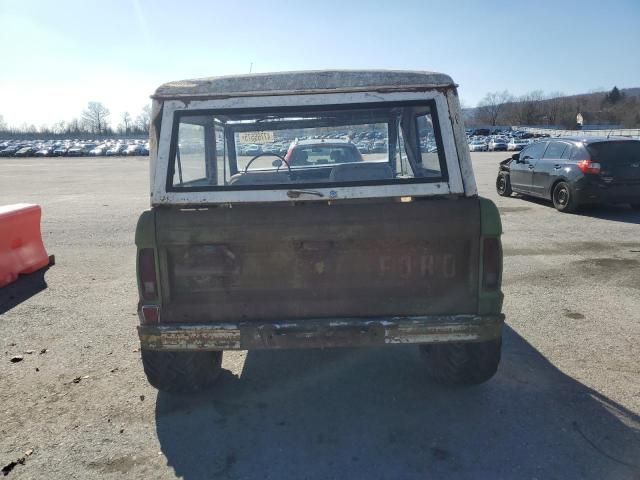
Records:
x=503, y=185
x=182, y=372
x=462, y=363
x=563, y=198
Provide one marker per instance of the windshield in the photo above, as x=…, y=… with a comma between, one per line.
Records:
x=305, y=148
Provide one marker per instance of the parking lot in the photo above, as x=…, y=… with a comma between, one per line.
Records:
x=564, y=404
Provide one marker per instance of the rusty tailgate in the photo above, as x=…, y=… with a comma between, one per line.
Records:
x=319, y=260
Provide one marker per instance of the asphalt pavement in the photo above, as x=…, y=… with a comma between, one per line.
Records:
x=564, y=404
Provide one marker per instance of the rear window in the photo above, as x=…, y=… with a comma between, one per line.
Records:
x=241, y=150
x=323, y=155
x=615, y=153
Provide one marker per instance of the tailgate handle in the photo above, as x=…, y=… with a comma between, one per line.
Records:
x=315, y=245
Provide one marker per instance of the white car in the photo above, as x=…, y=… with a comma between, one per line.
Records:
x=497, y=143
x=478, y=146
x=516, y=144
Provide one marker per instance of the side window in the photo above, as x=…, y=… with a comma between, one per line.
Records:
x=221, y=154
x=402, y=162
x=555, y=150
x=190, y=155
x=534, y=150
x=567, y=152
x=430, y=156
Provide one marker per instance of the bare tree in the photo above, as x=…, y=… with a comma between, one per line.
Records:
x=73, y=126
x=491, y=107
x=143, y=120
x=59, y=127
x=126, y=122
x=95, y=117
x=553, y=107
x=528, y=108
x=3, y=125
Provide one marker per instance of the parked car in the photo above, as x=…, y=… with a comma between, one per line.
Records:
x=497, y=144
x=478, y=146
x=117, y=149
x=99, y=151
x=252, y=150
x=516, y=144
x=44, y=152
x=575, y=171
x=60, y=151
x=317, y=253
x=75, y=151
x=133, y=150
x=322, y=152
x=25, y=152
x=87, y=147
x=9, y=151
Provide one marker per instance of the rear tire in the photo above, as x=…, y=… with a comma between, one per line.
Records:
x=182, y=372
x=503, y=185
x=462, y=363
x=563, y=199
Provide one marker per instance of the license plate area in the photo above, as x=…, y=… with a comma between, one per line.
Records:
x=307, y=336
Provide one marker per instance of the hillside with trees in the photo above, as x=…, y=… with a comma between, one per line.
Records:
x=619, y=107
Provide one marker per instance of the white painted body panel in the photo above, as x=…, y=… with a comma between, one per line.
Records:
x=461, y=180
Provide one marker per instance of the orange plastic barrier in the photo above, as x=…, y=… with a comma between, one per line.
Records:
x=21, y=248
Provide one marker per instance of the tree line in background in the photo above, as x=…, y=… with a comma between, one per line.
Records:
x=615, y=107
x=93, y=122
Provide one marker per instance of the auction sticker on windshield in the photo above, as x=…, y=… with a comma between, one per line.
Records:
x=256, y=137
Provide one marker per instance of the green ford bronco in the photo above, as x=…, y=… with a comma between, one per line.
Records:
x=313, y=210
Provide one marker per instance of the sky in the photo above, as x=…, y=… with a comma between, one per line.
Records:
x=56, y=56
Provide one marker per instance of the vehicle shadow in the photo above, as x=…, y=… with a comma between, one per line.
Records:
x=372, y=413
x=25, y=287
x=616, y=213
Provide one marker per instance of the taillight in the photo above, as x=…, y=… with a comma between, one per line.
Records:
x=147, y=272
x=587, y=166
x=490, y=263
x=151, y=314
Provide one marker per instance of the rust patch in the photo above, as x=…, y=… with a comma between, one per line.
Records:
x=321, y=333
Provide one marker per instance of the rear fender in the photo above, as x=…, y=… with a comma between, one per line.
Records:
x=490, y=302
x=146, y=238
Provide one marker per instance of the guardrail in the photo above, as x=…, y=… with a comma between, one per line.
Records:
x=616, y=132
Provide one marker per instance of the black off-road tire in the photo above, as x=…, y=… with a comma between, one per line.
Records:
x=563, y=199
x=182, y=372
x=462, y=363
x=503, y=185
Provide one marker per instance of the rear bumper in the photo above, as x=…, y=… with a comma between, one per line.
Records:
x=615, y=193
x=321, y=333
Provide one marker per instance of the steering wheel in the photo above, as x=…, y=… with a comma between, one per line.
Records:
x=264, y=154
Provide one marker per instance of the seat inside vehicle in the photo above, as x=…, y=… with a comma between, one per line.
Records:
x=259, y=178
x=361, y=171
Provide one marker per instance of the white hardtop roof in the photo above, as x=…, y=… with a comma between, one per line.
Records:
x=289, y=83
